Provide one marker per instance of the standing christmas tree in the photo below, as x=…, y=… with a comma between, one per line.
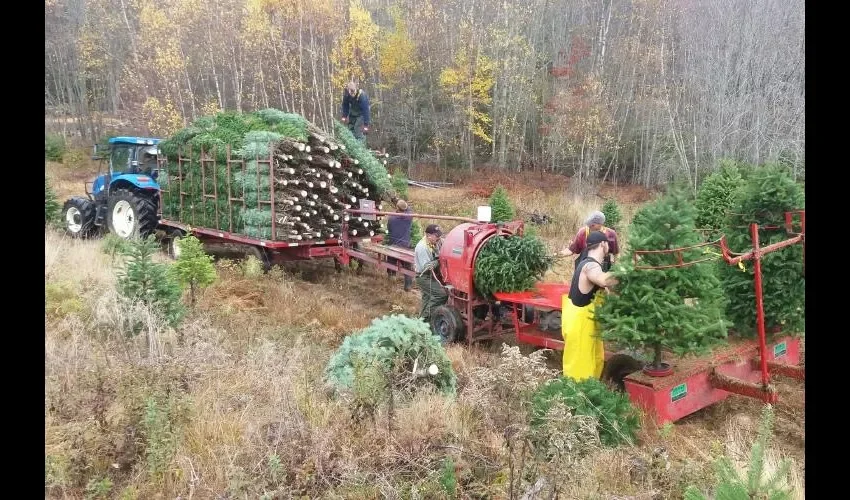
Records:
x=613, y=216
x=717, y=195
x=768, y=194
x=675, y=308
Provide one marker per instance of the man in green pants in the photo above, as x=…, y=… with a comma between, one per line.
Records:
x=425, y=262
x=355, y=111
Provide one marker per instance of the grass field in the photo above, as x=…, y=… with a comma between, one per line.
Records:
x=231, y=404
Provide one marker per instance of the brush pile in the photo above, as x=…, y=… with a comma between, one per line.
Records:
x=271, y=175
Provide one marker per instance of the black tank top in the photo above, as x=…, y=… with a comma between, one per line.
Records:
x=576, y=297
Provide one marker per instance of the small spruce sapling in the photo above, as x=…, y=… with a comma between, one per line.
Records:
x=141, y=279
x=399, y=183
x=616, y=418
x=193, y=267
x=51, y=206
x=754, y=483
x=612, y=213
x=678, y=308
x=501, y=206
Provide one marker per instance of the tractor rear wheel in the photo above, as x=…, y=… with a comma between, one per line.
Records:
x=79, y=214
x=447, y=323
x=130, y=215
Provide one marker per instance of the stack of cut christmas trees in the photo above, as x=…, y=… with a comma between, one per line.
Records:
x=314, y=177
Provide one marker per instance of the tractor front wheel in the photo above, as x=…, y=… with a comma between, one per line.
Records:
x=79, y=214
x=130, y=215
x=447, y=323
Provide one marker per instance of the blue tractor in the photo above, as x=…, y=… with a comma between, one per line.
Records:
x=125, y=198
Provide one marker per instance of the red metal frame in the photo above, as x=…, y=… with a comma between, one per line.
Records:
x=725, y=375
x=547, y=296
x=700, y=381
x=459, y=281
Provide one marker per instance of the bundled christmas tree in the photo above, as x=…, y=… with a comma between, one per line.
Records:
x=510, y=264
x=391, y=343
x=677, y=308
x=308, y=176
x=612, y=213
x=716, y=197
x=770, y=191
x=501, y=206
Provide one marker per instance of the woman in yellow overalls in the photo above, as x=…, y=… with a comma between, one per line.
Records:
x=583, y=355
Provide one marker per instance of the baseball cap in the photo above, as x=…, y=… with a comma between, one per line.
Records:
x=433, y=229
x=596, y=237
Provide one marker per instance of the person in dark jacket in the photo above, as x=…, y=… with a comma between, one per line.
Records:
x=355, y=111
x=398, y=234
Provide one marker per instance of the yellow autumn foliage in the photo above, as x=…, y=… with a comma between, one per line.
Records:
x=468, y=83
x=357, y=49
x=163, y=119
x=397, y=53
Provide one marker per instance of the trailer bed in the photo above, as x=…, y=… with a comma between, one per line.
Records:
x=224, y=235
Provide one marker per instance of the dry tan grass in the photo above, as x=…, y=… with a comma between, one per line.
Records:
x=80, y=261
x=740, y=434
x=67, y=181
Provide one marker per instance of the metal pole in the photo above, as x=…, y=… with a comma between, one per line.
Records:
x=229, y=190
x=765, y=376
x=803, y=229
x=271, y=189
x=421, y=216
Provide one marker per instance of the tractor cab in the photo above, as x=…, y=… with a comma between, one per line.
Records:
x=128, y=160
x=124, y=197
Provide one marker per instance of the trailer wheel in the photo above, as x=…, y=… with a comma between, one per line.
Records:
x=79, y=214
x=447, y=323
x=617, y=368
x=173, y=247
x=263, y=256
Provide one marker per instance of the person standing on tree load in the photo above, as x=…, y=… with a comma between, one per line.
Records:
x=584, y=354
x=398, y=235
x=355, y=111
x=425, y=261
x=595, y=222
